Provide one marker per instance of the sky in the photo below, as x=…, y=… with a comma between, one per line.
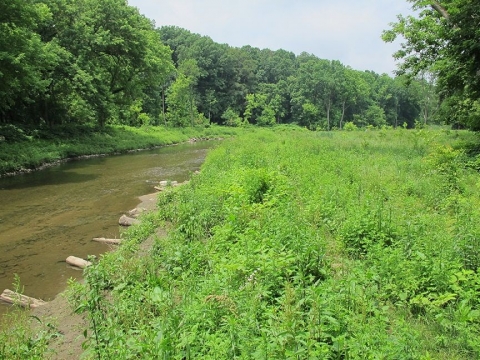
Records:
x=345, y=30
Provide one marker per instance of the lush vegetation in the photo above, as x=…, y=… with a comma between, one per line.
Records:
x=88, y=62
x=298, y=244
x=31, y=150
x=69, y=63
x=249, y=85
x=23, y=336
x=442, y=46
x=290, y=243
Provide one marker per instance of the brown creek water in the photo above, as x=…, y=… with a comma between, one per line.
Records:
x=48, y=215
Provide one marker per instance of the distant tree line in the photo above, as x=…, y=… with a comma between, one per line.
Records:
x=235, y=85
x=101, y=62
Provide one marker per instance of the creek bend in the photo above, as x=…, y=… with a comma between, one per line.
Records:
x=47, y=215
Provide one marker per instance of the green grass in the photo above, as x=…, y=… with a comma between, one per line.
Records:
x=19, y=340
x=299, y=245
x=292, y=244
x=19, y=151
x=23, y=336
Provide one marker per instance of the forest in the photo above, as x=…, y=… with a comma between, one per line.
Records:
x=66, y=63
x=318, y=244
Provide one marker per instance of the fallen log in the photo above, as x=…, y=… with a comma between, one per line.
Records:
x=78, y=262
x=12, y=297
x=127, y=221
x=108, y=241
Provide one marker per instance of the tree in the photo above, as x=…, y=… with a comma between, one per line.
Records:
x=232, y=118
x=443, y=40
x=351, y=87
x=258, y=110
x=427, y=95
x=107, y=56
x=181, y=101
x=375, y=116
x=178, y=101
x=23, y=56
x=317, y=83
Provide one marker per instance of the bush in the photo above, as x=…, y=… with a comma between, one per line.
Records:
x=350, y=126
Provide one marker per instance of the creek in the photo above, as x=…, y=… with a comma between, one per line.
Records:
x=48, y=215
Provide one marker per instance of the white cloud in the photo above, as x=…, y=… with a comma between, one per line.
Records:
x=345, y=30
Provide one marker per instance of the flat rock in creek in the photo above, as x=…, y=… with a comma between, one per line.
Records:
x=127, y=221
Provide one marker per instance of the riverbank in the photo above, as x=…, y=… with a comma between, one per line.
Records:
x=309, y=245
x=54, y=213
x=57, y=330
x=69, y=325
x=26, y=153
x=299, y=244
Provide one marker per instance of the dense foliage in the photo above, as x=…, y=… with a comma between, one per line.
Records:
x=65, y=61
x=347, y=245
x=84, y=62
x=442, y=40
x=264, y=87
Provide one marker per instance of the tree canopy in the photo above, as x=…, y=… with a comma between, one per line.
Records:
x=68, y=62
x=443, y=38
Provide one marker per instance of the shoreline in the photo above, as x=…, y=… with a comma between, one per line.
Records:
x=58, y=311
x=47, y=165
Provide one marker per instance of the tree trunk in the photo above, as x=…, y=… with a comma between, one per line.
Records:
x=163, y=106
x=191, y=110
x=329, y=105
x=343, y=114
x=397, y=108
x=108, y=241
x=440, y=9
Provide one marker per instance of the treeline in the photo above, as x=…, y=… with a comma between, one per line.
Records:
x=265, y=87
x=102, y=62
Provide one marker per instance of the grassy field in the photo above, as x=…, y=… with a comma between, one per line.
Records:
x=302, y=245
x=20, y=152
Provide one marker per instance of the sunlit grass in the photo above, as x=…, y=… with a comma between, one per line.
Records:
x=292, y=244
x=296, y=244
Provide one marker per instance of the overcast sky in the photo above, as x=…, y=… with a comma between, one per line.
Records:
x=345, y=30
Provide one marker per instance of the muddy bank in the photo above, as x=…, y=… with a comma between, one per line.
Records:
x=60, y=313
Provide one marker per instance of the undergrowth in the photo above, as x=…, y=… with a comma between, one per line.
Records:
x=296, y=245
x=23, y=336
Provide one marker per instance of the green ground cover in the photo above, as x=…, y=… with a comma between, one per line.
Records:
x=22, y=150
x=300, y=245
x=292, y=244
